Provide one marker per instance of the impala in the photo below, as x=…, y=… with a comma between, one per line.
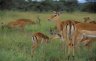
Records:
x=83, y=30
x=65, y=28
x=12, y=24
x=94, y=22
x=21, y=23
x=88, y=20
x=37, y=39
x=61, y=25
x=27, y=21
x=86, y=42
x=54, y=33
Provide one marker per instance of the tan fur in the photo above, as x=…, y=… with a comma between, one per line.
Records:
x=37, y=39
x=59, y=23
x=21, y=23
x=87, y=28
x=83, y=29
x=27, y=21
x=94, y=22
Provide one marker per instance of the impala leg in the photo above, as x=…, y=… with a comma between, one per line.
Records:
x=87, y=43
x=33, y=48
x=69, y=51
x=68, y=57
x=67, y=43
x=73, y=55
x=62, y=46
x=66, y=40
x=34, y=44
x=74, y=41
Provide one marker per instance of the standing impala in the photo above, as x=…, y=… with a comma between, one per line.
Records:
x=61, y=25
x=65, y=28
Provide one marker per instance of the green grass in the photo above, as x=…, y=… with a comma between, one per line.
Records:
x=16, y=45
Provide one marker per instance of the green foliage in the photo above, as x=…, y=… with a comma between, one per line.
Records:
x=89, y=7
x=5, y=4
x=46, y=5
x=69, y=5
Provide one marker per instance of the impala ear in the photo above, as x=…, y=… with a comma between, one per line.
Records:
x=54, y=12
x=60, y=12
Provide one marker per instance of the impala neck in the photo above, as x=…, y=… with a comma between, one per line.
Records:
x=58, y=23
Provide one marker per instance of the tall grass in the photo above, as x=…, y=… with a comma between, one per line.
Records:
x=16, y=45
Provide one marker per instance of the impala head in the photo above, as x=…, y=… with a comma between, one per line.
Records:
x=54, y=33
x=55, y=36
x=86, y=19
x=54, y=16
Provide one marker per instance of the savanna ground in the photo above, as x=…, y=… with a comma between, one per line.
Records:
x=16, y=45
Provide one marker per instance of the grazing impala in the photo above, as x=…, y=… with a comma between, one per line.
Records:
x=88, y=20
x=37, y=39
x=86, y=40
x=54, y=33
x=21, y=23
x=83, y=30
x=27, y=21
x=12, y=24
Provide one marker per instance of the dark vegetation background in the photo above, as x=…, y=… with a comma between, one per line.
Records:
x=48, y=5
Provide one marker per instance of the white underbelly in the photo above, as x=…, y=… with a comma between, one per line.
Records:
x=89, y=33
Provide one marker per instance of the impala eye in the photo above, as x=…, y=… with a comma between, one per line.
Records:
x=59, y=35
